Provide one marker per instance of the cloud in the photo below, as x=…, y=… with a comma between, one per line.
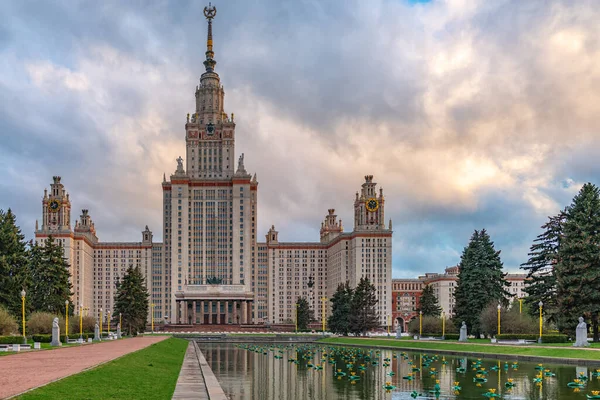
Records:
x=470, y=114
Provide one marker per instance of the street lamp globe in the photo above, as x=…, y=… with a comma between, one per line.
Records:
x=66, y=302
x=541, y=304
x=499, y=307
x=23, y=293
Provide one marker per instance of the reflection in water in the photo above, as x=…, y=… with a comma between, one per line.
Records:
x=298, y=372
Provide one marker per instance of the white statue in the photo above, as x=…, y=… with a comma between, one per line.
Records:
x=55, y=323
x=581, y=339
x=463, y=332
x=179, y=162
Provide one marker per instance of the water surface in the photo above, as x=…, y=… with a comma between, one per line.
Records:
x=293, y=372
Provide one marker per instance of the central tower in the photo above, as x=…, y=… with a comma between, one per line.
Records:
x=210, y=215
x=210, y=133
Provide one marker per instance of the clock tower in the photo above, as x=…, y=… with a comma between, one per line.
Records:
x=369, y=207
x=56, y=209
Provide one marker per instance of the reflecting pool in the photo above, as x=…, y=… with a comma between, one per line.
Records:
x=310, y=371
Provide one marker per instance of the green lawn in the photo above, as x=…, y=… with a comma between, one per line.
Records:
x=150, y=373
x=534, y=350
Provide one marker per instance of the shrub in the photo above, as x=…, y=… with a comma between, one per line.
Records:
x=11, y=339
x=88, y=323
x=63, y=338
x=510, y=321
x=8, y=325
x=432, y=325
x=40, y=323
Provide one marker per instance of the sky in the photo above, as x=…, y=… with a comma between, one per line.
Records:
x=470, y=114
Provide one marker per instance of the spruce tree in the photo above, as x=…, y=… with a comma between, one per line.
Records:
x=578, y=267
x=304, y=313
x=541, y=279
x=131, y=300
x=363, y=316
x=339, y=320
x=480, y=280
x=49, y=275
x=428, y=303
x=13, y=263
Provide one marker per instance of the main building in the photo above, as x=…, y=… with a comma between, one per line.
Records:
x=211, y=268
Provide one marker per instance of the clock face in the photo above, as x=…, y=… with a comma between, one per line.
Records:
x=54, y=205
x=372, y=205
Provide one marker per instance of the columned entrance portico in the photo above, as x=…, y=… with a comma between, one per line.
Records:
x=214, y=305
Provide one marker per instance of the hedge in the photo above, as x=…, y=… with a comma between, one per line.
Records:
x=63, y=338
x=447, y=336
x=11, y=339
x=545, y=338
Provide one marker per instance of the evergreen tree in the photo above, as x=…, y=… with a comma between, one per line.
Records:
x=341, y=302
x=480, y=280
x=363, y=316
x=49, y=284
x=578, y=268
x=428, y=303
x=543, y=256
x=131, y=300
x=13, y=263
x=304, y=314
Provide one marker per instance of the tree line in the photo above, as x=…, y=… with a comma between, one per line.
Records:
x=563, y=272
x=43, y=273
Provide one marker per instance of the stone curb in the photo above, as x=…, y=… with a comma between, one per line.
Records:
x=214, y=389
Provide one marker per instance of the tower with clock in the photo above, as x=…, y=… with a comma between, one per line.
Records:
x=369, y=207
x=56, y=209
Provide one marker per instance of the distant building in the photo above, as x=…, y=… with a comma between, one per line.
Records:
x=406, y=293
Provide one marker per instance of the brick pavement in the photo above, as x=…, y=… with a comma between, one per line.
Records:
x=25, y=371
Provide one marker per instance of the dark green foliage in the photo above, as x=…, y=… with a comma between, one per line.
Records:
x=578, y=268
x=63, y=338
x=49, y=274
x=543, y=255
x=304, y=313
x=13, y=263
x=524, y=336
x=11, y=339
x=363, y=316
x=432, y=325
x=480, y=280
x=428, y=303
x=341, y=302
x=131, y=300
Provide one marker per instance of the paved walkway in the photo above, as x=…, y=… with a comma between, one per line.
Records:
x=24, y=371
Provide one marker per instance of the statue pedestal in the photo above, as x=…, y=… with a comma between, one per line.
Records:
x=55, y=337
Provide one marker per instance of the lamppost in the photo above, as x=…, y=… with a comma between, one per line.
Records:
x=388, y=324
x=67, y=319
x=499, y=307
x=420, y=324
x=81, y=322
x=23, y=309
x=541, y=306
x=296, y=317
x=108, y=322
x=443, y=324
x=152, y=305
x=101, y=323
x=323, y=299
x=520, y=305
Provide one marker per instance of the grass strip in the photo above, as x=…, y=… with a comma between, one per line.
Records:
x=473, y=348
x=150, y=373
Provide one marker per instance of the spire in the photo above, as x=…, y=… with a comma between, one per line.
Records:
x=210, y=12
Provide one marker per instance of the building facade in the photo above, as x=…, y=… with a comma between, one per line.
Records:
x=407, y=292
x=210, y=268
